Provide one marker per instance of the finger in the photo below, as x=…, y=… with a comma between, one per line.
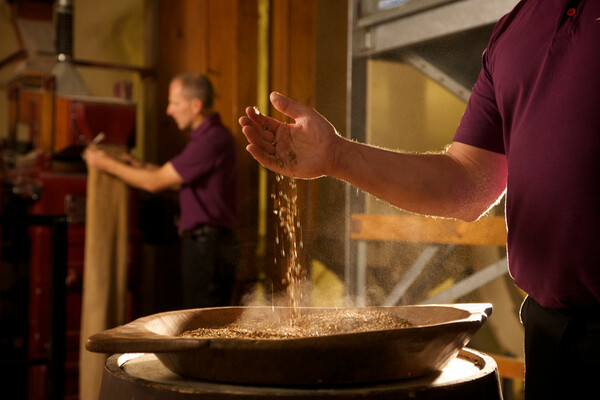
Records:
x=256, y=117
x=251, y=130
x=266, y=126
x=269, y=160
x=288, y=106
x=255, y=138
x=247, y=121
x=88, y=155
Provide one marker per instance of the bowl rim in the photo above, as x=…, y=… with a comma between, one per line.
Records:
x=136, y=336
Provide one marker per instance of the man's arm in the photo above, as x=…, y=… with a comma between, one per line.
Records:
x=462, y=182
x=151, y=179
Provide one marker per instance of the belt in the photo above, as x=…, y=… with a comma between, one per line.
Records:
x=202, y=230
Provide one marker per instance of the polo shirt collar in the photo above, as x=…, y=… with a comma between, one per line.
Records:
x=213, y=119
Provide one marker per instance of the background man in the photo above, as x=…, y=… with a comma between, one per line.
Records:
x=205, y=173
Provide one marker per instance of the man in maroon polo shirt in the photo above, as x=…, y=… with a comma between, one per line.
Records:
x=206, y=174
x=532, y=129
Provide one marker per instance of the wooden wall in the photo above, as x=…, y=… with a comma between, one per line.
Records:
x=220, y=38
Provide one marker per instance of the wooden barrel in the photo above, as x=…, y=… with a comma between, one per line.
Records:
x=471, y=375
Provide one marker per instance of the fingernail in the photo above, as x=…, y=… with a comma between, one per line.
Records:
x=256, y=110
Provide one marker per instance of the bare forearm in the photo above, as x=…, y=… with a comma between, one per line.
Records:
x=150, y=178
x=136, y=177
x=438, y=184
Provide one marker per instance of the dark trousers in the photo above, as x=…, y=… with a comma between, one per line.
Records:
x=210, y=257
x=562, y=352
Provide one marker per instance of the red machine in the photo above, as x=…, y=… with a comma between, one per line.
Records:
x=43, y=175
x=42, y=209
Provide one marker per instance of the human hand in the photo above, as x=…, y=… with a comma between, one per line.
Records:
x=96, y=158
x=304, y=149
x=131, y=160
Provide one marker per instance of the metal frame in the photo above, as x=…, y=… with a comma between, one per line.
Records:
x=426, y=25
x=435, y=73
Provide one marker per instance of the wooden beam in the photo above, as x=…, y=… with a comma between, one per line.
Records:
x=489, y=231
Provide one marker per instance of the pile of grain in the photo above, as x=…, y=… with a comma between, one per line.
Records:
x=314, y=324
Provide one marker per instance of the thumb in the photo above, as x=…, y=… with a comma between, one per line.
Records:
x=288, y=106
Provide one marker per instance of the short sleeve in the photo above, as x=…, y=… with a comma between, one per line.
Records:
x=481, y=124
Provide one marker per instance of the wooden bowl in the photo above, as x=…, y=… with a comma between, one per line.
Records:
x=437, y=334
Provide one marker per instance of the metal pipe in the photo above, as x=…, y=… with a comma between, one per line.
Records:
x=64, y=30
x=67, y=78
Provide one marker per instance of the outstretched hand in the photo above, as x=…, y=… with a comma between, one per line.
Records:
x=303, y=149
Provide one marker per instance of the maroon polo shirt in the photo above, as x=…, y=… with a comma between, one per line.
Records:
x=208, y=166
x=537, y=100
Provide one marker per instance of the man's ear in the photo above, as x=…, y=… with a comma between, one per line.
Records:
x=197, y=106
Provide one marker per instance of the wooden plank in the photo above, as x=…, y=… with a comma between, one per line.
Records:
x=418, y=229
